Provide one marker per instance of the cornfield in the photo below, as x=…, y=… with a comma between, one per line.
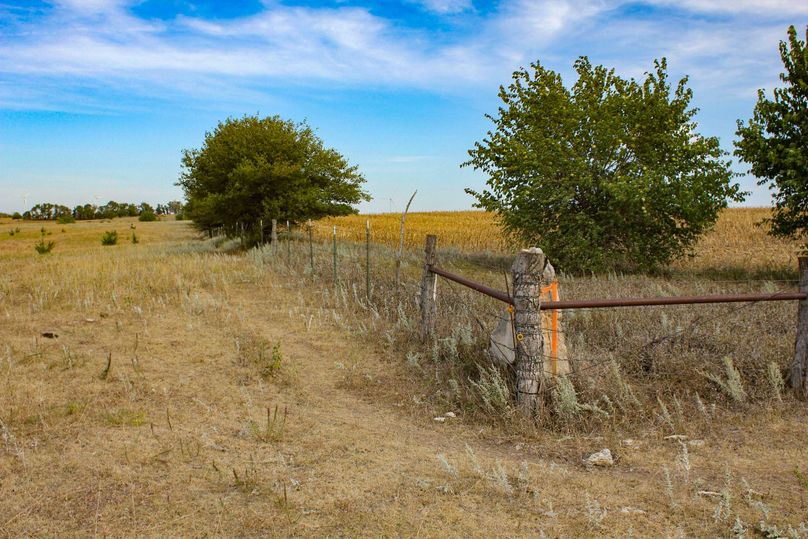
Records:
x=736, y=245
x=470, y=231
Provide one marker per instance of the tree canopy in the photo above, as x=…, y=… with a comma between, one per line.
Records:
x=609, y=174
x=266, y=168
x=775, y=141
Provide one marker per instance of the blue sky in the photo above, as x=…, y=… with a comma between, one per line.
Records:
x=99, y=97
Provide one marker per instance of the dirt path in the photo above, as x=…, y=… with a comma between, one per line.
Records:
x=373, y=466
x=376, y=466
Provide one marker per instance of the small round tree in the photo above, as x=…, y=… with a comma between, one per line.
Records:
x=610, y=174
x=775, y=141
x=255, y=168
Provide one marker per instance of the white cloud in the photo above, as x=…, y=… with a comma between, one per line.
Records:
x=100, y=43
x=764, y=7
x=444, y=7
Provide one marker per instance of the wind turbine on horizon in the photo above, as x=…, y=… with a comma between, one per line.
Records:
x=25, y=201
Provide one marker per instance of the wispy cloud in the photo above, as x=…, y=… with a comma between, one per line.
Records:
x=768, y=7
x=444, y=7
x=101, y=44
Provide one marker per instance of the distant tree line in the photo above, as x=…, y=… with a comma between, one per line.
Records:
x=48, y=211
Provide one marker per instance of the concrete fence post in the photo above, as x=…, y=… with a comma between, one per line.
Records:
x=529, y=270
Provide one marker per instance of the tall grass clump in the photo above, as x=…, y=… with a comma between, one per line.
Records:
x=731, y=384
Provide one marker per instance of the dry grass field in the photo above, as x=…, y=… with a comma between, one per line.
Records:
x=179, y=387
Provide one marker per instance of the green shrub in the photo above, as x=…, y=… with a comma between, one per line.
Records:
x=606, y=174
x=16, y=216
x=179, y=217
x=147, y=215
x=44, y=248
x=110, y=237
x=66, y=219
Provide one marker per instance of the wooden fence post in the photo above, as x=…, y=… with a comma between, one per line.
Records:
x=529, y=270
x=288, y=242
x=367, y=258
x=335, y=255
x=429, y=287
x=261, y=227
x=311, y=250
x=798, y=373
x=273, y=234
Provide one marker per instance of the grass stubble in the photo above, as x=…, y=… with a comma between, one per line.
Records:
x=187, y=388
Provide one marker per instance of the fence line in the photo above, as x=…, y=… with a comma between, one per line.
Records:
x=531, y=267
x=535, y=351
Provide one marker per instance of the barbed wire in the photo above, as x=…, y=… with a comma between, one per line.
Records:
x=586, y=365
x=657, y=340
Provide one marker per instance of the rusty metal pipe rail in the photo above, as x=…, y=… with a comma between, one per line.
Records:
x=672, y=300
x=624, y=302
x=487, y=290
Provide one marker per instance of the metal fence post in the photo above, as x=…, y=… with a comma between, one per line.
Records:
x=429, y=287
x=798, y=373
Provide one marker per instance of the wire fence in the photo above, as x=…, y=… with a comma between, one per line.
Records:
x=357, y=283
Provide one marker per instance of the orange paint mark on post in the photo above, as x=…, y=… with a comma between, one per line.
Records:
x=552, y=289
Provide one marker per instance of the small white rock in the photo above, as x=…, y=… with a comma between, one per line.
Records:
x=449, y=414
x=439, y=419
x=676, y=437
x=601, y=458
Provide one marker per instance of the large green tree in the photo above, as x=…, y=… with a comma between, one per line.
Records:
x=775, y=141
x=266, y=168
x=608, y=174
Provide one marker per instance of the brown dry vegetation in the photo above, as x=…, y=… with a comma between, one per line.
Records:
x=152, y=410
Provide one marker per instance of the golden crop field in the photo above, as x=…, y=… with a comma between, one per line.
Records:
x=735, y=243
x=472, y=231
